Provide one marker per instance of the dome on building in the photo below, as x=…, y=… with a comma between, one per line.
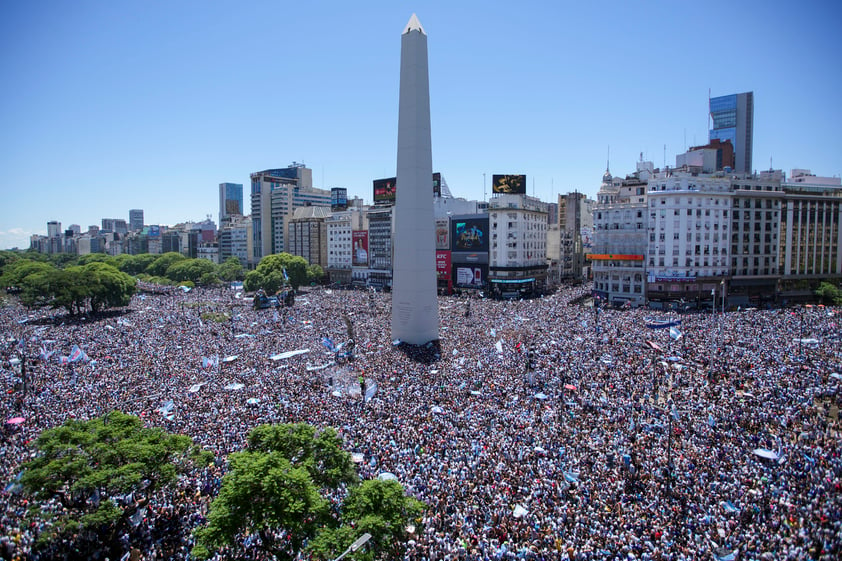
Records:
x=606, y=177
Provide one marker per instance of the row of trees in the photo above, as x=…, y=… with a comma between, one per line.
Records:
x=272, y=273
x=167, y=268
x=104, y=471
x=78, y=288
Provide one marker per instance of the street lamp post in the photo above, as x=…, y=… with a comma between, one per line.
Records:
x=361, y=541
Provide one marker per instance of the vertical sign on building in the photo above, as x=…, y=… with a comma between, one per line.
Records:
x=359, y=238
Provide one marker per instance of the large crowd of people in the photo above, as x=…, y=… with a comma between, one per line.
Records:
x=535, y=429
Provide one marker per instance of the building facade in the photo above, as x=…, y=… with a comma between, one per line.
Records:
x=307, y=235
x=518, y=245
x=618, y=256
x=755, y=238
x=340, y=228
x=689, y=236
x=379, y=271
x=811, y=233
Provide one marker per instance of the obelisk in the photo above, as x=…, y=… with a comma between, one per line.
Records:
x=415, y=316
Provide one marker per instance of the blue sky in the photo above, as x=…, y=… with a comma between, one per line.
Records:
x=108, y=106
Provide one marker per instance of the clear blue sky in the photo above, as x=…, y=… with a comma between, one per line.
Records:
x=112, y=105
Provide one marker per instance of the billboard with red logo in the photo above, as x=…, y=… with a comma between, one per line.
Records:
x=443, y=265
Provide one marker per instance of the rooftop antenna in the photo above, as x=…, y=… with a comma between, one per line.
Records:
x=608, y=160
x=665, y=155
x=483, y=187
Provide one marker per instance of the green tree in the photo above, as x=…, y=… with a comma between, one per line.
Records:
x=107, y=287
x=94, y=258
x=62, y=260
x=315, y=274
x=278, y=487
x=33, y=279
x=829, y=293
x=189, y=270
x=85, y=466
x=231, y=269
x=273, y=486
x=380, y=508
x=271, y=269
x=158, y=267
x=135, y=264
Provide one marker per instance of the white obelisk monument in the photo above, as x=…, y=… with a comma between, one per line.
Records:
x=415, y=314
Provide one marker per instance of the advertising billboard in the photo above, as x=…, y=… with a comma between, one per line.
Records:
x=510, y=184
x=469, y=276
x=359, y=257
x=442, y=234
x=338, y=199
x=443, y=265
x=469, y=234
x=154, y=232
x=384, y=190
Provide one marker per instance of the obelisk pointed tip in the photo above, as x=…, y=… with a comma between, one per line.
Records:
x=413, y=25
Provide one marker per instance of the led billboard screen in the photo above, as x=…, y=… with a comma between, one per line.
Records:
x=510, y=184
x=384, y=190
x=469, y=276
x=469, y=234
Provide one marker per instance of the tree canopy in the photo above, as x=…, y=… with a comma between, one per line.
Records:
x=101, y=472
x=829, y=293
x=269, y=274
x=95, y=286
x=283, y=490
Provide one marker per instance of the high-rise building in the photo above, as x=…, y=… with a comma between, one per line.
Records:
x=230, y=200
x=415, y=314
x=275, y=194
x=136, y=219
x=733, y=119
x=53, y=229
x=307, y=234
x=115, y=225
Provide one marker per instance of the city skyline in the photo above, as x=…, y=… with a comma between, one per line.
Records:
x=114, y=107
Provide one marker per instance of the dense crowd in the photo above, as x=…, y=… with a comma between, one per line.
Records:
x=536, y=429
